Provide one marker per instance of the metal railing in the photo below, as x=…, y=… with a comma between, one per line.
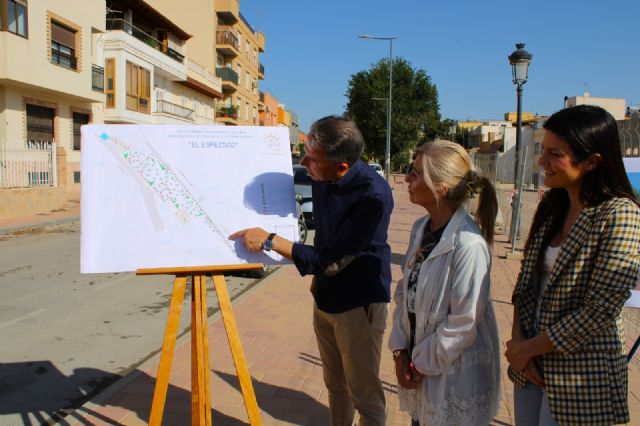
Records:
x=176, y=110
x=227, y=74
x=64, y=59
x=499, y=170
x=122, y=25
x=260, y=69
x=488, y=165
x=30, y=166
x=228, y=38
x=97, y=78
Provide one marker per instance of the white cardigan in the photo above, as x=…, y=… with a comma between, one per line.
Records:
x=457, y=345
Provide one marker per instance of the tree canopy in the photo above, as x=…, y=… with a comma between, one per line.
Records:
x=415, y=110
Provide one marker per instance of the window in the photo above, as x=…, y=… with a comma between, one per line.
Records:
x=138, y=88
x=63, y=46
x=13, y=17
x=76, y=177
x=110, y=82
x=79, y=119
x=39, y=123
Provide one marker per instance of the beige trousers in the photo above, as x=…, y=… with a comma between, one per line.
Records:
x=350, y=345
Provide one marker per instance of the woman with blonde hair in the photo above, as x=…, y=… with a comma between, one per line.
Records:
x=444, y=337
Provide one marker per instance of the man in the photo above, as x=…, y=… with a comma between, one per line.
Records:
x=350, y=261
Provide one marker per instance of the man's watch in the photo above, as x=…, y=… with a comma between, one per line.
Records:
x=267, y=244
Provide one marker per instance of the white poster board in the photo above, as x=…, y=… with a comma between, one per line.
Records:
x=169, y=196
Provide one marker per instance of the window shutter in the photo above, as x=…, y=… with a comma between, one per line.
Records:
x=63, y=35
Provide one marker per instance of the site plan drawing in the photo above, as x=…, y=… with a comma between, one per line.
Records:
x=169, y=196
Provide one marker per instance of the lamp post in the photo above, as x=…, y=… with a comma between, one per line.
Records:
x=519, y=60
x=387, y=156
x=386, y=101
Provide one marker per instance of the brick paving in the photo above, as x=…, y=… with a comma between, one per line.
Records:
x=274, y=321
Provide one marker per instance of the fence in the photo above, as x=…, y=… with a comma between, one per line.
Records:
x=500, y=168
x=30, y=166
x=488, y=165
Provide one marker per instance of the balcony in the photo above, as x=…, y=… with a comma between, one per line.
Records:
x=97, y=78
x=228, y=10
x=166, y=107
x=122, y=25
x=227, y=114
x=229, y=79
x=260, y=71
x=227, y=42
x=201, y=79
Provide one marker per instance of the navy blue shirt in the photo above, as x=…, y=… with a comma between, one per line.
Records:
x=351, y=217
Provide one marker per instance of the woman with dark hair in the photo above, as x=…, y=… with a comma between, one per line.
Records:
x=566, y=353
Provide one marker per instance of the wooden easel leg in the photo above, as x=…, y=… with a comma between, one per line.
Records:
x=198, y=382
x=205, y=351
x=168, y=346
x=236, y=350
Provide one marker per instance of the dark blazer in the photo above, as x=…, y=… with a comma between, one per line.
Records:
x=598, y=265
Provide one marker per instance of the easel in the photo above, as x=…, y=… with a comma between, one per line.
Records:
x=200, y=394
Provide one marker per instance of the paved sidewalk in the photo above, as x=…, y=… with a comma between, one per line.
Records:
x=274, y=321
x=71, y=213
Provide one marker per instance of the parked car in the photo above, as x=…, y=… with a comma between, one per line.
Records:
x=378, y=168
x=302, y=226
x=302, y=182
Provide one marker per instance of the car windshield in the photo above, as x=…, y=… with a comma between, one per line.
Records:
x=301, y=177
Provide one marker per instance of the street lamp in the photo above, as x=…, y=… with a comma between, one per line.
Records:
x=519, y=60
x=387, y=157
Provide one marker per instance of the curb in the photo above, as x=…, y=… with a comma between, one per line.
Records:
x=40, y=224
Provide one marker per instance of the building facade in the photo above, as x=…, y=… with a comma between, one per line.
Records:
x=238, y=47
x=51, y=83
x=616, y=107
x=149, y=76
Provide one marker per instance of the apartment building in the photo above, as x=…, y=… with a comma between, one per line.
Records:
x=268, y=109
x=206, y=87
x=149, y=78
x=51, y=83
x=238, y=47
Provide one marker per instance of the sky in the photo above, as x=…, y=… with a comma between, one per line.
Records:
x=312, y=50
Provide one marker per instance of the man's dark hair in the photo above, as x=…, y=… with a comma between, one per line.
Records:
x=339, y=137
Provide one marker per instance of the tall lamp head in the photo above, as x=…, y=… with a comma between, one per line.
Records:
x=520, y=60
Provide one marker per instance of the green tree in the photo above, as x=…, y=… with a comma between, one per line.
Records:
x=415, y=109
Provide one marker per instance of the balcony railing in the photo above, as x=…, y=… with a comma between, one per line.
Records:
x=64, y=59
x=229, y=38
x=122, y=25
x=227, y=74
x=261, y=69
x=97, y=78
x=176, y=110
x=227, y=111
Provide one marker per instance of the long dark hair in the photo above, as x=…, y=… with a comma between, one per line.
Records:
x=588, y=130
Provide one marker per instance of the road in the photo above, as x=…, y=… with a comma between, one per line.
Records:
x=65, y=336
